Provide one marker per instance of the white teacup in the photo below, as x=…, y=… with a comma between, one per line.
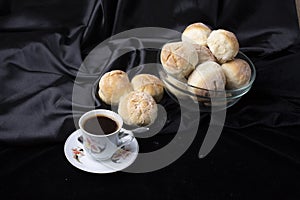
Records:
x=100, y=145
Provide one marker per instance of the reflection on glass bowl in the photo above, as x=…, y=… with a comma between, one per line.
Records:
x=187, y=95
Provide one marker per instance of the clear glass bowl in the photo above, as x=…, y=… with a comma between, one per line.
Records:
x=208, y=100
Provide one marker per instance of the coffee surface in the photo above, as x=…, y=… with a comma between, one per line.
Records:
x=100, y=125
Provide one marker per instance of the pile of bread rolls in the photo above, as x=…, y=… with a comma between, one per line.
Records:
x=206, y=59
x=203, y=59
x=136, y=99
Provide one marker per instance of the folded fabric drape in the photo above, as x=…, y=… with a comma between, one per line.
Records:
x=43, y=44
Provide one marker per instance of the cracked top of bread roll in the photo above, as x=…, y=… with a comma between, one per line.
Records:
x=196, y=33
x=237, y=72
x=179, y=58
x=223, y=44
x=138, y=108
x=209, y=76
x=150, y=84
x=113, y=85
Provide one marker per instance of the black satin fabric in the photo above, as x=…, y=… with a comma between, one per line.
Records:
x=44, y=42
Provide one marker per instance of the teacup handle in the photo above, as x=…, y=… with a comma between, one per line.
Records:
x=125, y=137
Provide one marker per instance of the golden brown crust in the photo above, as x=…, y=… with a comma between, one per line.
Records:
x=209, y=76
x=204, y=54
x=150, y=84
x=196, y=33
x=113, y=85
x=223, y=44
x=237, y=72
x=179, y=58
x=138, y=108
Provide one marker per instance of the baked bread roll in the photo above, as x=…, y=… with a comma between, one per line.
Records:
x=179, y=58
x=196, y=33
x=113, y=85
x=208, y=76
x=150, y=84
x=237, y=72
x=223, y=44
x=204, y=54
x=138, y=108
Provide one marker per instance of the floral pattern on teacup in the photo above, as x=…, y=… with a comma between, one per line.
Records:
x=89, y=144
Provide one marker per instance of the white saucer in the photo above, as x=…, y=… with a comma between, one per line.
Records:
x=80, y=159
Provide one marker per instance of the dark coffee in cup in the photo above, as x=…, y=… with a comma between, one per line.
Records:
x=100, y=125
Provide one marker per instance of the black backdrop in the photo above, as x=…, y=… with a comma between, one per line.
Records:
x=43, y=43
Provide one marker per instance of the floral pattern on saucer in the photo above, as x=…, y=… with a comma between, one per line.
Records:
x=77, y=153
